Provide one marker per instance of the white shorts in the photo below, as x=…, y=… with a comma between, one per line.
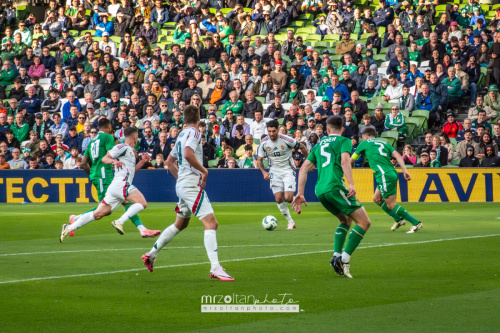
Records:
x=117, y=191
x=283, y=181
x=192, y=200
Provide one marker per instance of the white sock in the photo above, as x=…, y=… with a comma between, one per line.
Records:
x=346, y=257
x=82, y=220
x=336, y=254
x=284, y=210
x=141, y=227
x=165, y=237
x=211, y=247
x=133, y=210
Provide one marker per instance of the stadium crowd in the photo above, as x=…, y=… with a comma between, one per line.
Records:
x=407, y=69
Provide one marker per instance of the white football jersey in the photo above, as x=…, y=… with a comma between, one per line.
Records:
x=125, y=154
x=279, y=152
x=189, y=137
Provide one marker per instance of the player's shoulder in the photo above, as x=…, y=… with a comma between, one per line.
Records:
x=265, y=140
x=286, y=138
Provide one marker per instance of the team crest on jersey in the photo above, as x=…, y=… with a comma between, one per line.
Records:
x=282, y=147
x=268, y=148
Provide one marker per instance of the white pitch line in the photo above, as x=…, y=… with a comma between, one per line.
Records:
x=143, y=248
x=241, y=259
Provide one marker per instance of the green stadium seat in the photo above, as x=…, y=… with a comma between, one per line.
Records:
x=225, y=10
x=306, y=30
x=410, y=128
x=261, y=99
x=213, y=163
x=420, y=124
x=312, y=37
x=256, y=141
x=455, y=162
x=219, y=114
x=306, y=17
x=298, y=24
x=335, y=37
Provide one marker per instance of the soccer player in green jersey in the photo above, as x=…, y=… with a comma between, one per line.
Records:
x=101, y=174
x=378, y=154
x=332, y=158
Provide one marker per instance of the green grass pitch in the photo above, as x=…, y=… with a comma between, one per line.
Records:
x=442, y=279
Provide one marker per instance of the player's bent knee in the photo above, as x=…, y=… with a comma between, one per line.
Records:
x=377, y=200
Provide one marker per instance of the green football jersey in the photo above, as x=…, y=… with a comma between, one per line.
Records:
x=96, y=150
x=327, y=156
x=378, y=154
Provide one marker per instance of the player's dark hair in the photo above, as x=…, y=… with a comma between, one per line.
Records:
x=129, y=131
x=273, y=123
x=335, y=123
x=191, y=114
x=369, y=132
x=103, y=123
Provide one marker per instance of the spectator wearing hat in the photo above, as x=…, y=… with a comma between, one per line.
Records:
x=346, y=45
x=469, y=160
x=463, y=19
x=74, y=139
x=451, y=127
x=384, y=15
x=424, y=161
x=294, y=93
x=40, y=126
x=278, y=75
x=492, y=99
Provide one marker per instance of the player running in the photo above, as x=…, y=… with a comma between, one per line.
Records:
x=278, y=148
x=191, y=180
x=379, y=155
x=101, y=174
x=122, y=157
x=332, y=158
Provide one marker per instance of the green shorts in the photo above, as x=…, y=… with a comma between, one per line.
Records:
x=337, y=202
x=101, y=186
x=387, y=184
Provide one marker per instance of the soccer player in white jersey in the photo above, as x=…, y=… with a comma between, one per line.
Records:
x=191, y=180
x=122, y=157
x=281, y=175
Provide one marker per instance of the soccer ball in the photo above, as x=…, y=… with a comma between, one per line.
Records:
x=269, y=223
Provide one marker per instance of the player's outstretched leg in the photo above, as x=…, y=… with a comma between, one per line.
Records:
x=216, y=270
x=145, y=232
x=398, y=221
x=166, y=236
x=403, y=214
x=355, y=237
x=83, y=219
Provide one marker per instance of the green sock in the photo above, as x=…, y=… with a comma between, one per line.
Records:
x=135, y=219
x=355, y=237
x=340, y=236
x=383, y=205
x=400, y=211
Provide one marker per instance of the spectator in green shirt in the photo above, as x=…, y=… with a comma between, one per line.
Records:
x=225, y=31
x=20, y=128
x=180, y=33
x=233, y=104
x=452, y=83
x=7, y=74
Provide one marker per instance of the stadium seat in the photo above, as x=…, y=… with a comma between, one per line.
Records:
x=219, y=114
x=213, y=163
x=410, y=128
x=335, y=37
x=298, y=24
x=419, y=121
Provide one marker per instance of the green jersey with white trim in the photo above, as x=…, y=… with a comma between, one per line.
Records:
x=378, y=153
x=327, y=156
x=96, y=150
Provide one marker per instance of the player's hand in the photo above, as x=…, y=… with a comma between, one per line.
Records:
x=297, y=203
x=352, y=191
x=203, y=181
x=407, y=176
x=267, y=176
x=119, y=164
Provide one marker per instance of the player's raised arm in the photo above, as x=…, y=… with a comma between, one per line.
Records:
x=144, y=159
x=110, y=160
x=346, y=168
x=401, y=163
x=301, y=185
x=171, y=164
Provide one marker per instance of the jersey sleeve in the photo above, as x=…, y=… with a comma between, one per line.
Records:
x=260, y=150
x=361, y=148
x=193, y=140
x=118, y=151
x=173, y=152
x=110, y=142
x=312, y=156
x=346, y=147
